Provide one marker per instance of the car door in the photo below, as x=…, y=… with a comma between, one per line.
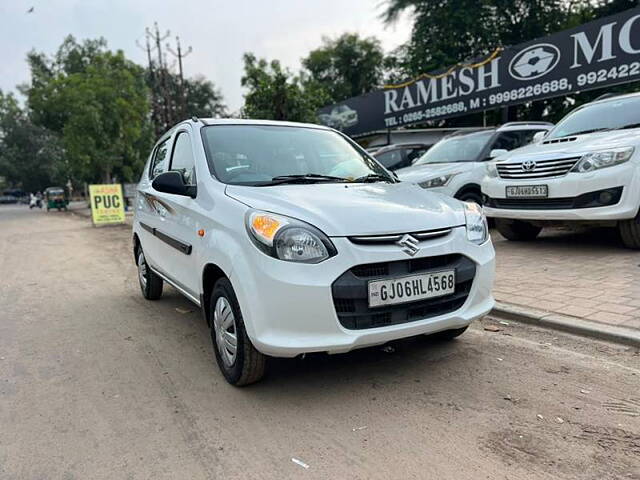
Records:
x=177, y=229
x=150, y=212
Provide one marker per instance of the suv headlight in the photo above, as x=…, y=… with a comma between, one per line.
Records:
x=492, y=170
x=608, y=158
x=440, y=181
x=287, y=238
x=477, y=228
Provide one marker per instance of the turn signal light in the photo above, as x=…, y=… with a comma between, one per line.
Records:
x=201, y=233
x=265, y=226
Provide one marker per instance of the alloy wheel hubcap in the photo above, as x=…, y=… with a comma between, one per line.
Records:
x=224, y=325
x=142, y=270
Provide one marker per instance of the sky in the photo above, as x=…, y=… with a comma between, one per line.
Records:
x=218, y=31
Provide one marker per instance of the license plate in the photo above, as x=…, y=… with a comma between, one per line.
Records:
x=411, y=288
x=528, y=191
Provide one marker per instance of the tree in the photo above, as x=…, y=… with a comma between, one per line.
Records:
x=347, y=66
x=274, y=93
x=30, y=155
x=96, y=101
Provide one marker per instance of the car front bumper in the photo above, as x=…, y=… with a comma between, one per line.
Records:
x=288, y=308
x=571, y=186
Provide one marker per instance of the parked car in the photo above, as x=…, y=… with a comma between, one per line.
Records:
x=586, y=170
x=402, y=155
x=8, y=199
x=456, y=164
x=292, y=239
x=342, y=117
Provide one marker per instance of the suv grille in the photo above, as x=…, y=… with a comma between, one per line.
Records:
x=351, y=296
x=539, y=169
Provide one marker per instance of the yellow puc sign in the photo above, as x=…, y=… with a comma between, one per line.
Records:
x=107, y=204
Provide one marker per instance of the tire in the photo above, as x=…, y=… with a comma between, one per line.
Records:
x=630, y=232
x=470, y=196
x=517, y=230
x=245, y=365
x=449, y=334
x=150, y=283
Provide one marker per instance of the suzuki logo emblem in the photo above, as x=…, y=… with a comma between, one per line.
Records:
x=529, y=166
x=409, y=245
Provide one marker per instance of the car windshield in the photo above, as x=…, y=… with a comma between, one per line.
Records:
x=461, y=148
x=267, y=154
x=610, y=115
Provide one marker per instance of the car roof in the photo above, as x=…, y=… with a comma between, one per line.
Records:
x=509, y=126
x=394, y=146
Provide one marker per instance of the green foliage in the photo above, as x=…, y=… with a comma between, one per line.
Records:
x=273, y=93
x=96, y=101
x=347, y=66
x=31, y=156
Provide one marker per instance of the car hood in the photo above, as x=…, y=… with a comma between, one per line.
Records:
x=420, y=173
x=340, y=209
x=577, y=146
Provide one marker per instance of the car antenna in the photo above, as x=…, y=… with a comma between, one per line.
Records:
x=195, y=119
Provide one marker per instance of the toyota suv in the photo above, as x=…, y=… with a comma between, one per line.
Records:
x=586, y=171
x=292, y=239
x=456, y=164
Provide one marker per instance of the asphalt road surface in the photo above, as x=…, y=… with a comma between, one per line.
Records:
x=96, y=382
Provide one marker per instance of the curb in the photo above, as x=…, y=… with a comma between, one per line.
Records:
x=575, y=325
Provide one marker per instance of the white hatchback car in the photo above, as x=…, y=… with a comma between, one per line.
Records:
x=586, y=170
x=293, y=239
x=456, y=164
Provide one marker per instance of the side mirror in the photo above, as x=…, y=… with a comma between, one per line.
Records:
x=538, y=136
x=496, y=152
x=173, y=183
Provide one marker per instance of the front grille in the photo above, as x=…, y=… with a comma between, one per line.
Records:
x=542, y=169
x=395, y=237
x=351, y=296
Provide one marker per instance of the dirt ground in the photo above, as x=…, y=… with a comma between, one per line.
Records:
x=96, y=382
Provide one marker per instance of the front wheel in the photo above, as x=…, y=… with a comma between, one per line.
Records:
x=239, y=361
x=517, y=230
x=471, y=196
x=150, y=283
x=449, y=334
x=630, y=232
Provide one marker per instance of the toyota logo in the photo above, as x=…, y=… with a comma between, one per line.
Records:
x=534, y=61
x=409, y=245
x=529, y=166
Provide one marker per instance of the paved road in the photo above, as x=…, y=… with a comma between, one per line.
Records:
x=584, y=273
x=97, y=383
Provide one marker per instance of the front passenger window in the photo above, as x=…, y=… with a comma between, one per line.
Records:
x=159, y=162
x=182, y=159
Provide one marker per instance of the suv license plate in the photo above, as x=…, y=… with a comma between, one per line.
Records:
x=528, y=191
x=411, y=288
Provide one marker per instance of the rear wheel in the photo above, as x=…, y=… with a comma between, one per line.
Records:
x=517, y=230
x=240, y=363
x=150, y=283
x=630, y=232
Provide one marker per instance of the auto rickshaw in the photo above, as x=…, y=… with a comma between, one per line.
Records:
x=56, y=197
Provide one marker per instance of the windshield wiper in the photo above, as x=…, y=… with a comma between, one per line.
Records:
x=372, y=177
x=306, y=178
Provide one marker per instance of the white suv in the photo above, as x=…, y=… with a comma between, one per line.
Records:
x=293, y=239
x=586, y=170
x=456, y=164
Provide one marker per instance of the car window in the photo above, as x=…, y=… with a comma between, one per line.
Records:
x=391, y=159
x=414, y=153
x=459, y=148
x=160, y=159
x=182, y=158
x=609, y=115
x=255, y=154
x=513, y=139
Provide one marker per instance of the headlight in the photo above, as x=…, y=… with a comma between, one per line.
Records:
x=440, y=181
x=609, y=158
x=288, y=239
x=477, y=228
x=492, y=170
